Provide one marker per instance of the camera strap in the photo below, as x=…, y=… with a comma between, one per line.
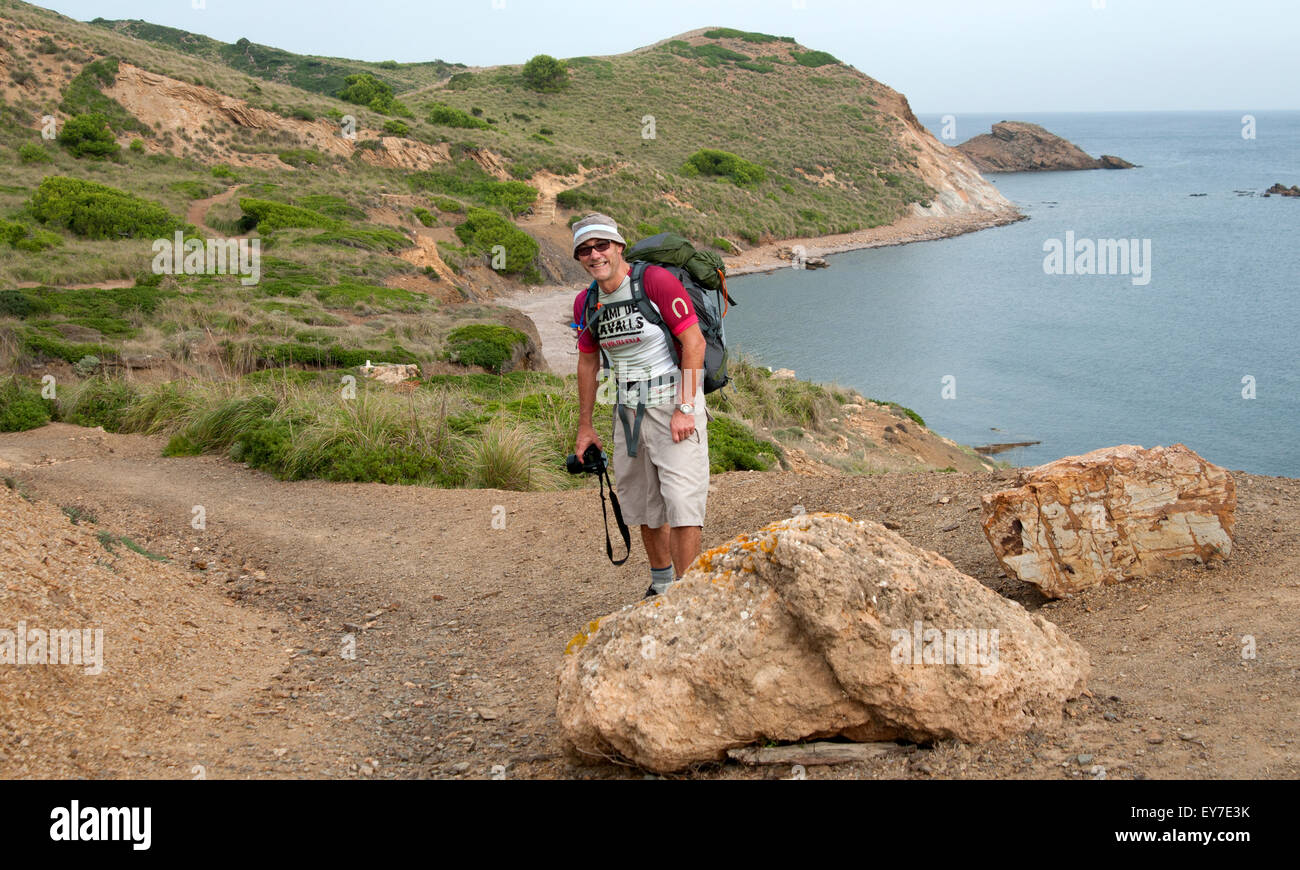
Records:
x=618, y=518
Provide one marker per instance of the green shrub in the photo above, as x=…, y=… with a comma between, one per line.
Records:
x=299, y=157
x=709, y=161
x=267, y=217
x=363, y=238
x=44, y=346
x=97, y=211
x=21, y=406
x=489, y=345
x=483, y=230
x=30, y=239
x=86, y=366
x=813, y=58
x=331, y=356
x=366, y=90
x=89, y=136
x=397, y=128
x=448, y=205
x=447, y=116
x=303, y=114
x=332, y=206
x=546, y=74
x=30, y=152
x=137, y=146
x=221, y=170
x=723, y=245
x=746, y=35
x=424, y=216
x=467, y=179
x=734, y=447
x=715, y=54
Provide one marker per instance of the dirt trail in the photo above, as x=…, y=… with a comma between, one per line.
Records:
x=197, y=213
x=459, y=626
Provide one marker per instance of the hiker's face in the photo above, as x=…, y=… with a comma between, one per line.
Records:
x=603, y=265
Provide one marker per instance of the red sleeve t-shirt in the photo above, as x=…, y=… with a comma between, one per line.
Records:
x=664, y=290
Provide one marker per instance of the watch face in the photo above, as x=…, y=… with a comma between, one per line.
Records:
x=686, y=409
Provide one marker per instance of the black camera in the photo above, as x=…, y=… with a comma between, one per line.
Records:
x=592, y=461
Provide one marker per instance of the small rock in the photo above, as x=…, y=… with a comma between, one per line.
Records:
x=1084, y=759
x=460, y=766
x=1110, y=717
x=1155, y=740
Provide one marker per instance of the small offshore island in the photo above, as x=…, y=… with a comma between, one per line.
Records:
x=1018, y=146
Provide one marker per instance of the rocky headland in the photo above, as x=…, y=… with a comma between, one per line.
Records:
x=1018, y=146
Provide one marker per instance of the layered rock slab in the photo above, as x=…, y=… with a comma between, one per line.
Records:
x=1110, y=515
x=816, y=626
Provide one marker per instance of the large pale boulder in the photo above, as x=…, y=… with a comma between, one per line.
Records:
x=1110, y=515
x=814, y=627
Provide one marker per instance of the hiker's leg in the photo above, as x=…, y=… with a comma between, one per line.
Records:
x=685, y=542
x=657, y=545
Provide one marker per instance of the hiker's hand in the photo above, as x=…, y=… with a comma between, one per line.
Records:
x=682, y=425
x=586, y=435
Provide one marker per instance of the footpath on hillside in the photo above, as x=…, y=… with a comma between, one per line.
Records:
x=315, y=629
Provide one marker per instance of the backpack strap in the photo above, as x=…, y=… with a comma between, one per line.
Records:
x=649, y=311
x=591, y=318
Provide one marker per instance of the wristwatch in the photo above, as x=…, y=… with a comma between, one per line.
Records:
x=686, y=408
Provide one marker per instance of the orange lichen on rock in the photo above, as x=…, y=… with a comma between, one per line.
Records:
x=580, y=639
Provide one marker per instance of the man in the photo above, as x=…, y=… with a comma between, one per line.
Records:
x=661, y=450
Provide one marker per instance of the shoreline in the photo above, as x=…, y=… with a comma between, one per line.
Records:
x=550, y=306
x=915, y=228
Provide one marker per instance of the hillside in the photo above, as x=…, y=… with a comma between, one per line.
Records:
x=378, y=209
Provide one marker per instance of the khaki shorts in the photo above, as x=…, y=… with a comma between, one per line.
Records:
x=665, y=482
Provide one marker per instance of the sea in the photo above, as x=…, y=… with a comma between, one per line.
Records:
x=1016, y=334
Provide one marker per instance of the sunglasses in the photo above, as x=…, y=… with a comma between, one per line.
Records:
x=585, y=251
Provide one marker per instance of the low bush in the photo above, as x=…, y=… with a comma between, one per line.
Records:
x=300, y=157
x=89, y=136
x=267, y=217
x=734, y=447
x=813, y=58
x=489, y=345
x=484, y=230
x=97, y=211
x=30, y=152
x=712, y=162
x=21, y=406
x=370, y=238
x=366, y=90
x=449, y=116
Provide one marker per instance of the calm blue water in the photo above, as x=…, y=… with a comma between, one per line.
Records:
x=1079, y=362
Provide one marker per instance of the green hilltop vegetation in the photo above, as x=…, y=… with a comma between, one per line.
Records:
x=255, y=371
x=319, y=75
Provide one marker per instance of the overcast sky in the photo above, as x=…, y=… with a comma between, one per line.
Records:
x=997, y=56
